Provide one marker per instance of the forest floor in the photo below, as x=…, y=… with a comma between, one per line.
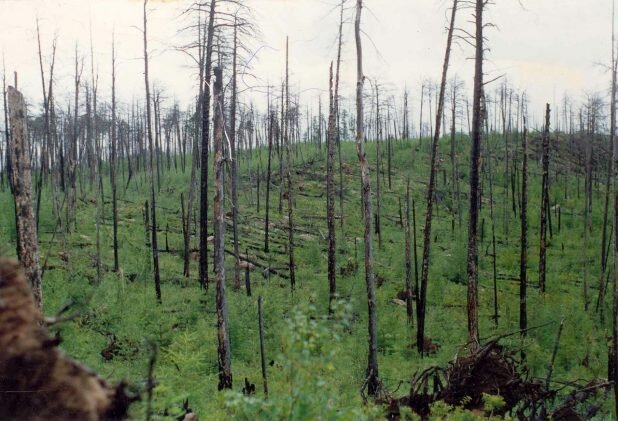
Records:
x=316, y=364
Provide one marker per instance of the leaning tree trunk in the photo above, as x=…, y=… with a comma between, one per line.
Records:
x=475, y=154
x=225, y=364
x=19, y=152
x=373, y=379
x=420, y=336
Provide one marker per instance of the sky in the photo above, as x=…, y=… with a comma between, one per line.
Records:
x=547, y=47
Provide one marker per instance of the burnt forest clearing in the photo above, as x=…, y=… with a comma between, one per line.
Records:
x=442, y=254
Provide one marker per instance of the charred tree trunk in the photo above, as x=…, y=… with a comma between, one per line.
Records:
x=420, y=337
x=330, y=195
x=373, y=379
x=545, y=204
x=113, y=162
x=523, y=261
x=475, y=154
x=225, y=364
x=153, y=207
x=204, y=152
x=233, y=162
x=288, y=171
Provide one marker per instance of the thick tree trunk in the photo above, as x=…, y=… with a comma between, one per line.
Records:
x=373, y=379
x=225, y=364
x=19, y=151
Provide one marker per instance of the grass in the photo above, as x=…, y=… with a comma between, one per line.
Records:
x=316, y=365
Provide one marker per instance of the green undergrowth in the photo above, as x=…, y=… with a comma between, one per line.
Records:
x=315, y=364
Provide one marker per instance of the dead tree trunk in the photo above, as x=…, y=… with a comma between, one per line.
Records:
x=545, y=204
x=204, y=152
x=330, y=194
x=475, y=154
x=113, y=162
x=409, y=308
x=523, y=261
x=271, y=119
x=233, y=162
x=288, y=171
x=21, y=176
x=372, y=379
x=225, y=364
x=153, y=207
x=420, y=337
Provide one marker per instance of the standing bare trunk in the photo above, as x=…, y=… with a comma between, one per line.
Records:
x=336, y=99
x=288, y=171
x=373, y=379
x=409, y=308
x=153, y=207
x=271, y=118
x=545, y=205
x=610, y=170
x=113, y=161
x=19, y=151
x=225, y=364
x=523, y=261
x=233, y=162
x=203, y=245
x=420, y=337
x=331, y=138
x=475, y=154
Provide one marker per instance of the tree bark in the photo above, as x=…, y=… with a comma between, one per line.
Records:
x=475, y=154
x=330, y=194
x=19, y=151
x=225, y=364
x=545, y=203
x=153, y=207
x=420, y=337
x=373, y=379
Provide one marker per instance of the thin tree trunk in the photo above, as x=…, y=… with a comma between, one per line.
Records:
x=331, y=138
x=153, y=207
x=420, y=337
x=545, y=205
x=225, y=364
x=523, y=261
x=203, y=245
x=288, y=171
x=373, y=379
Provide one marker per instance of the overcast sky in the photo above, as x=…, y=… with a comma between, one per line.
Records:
x=548, y=47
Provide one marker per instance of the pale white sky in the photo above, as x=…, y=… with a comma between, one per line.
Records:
x=549, y=47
